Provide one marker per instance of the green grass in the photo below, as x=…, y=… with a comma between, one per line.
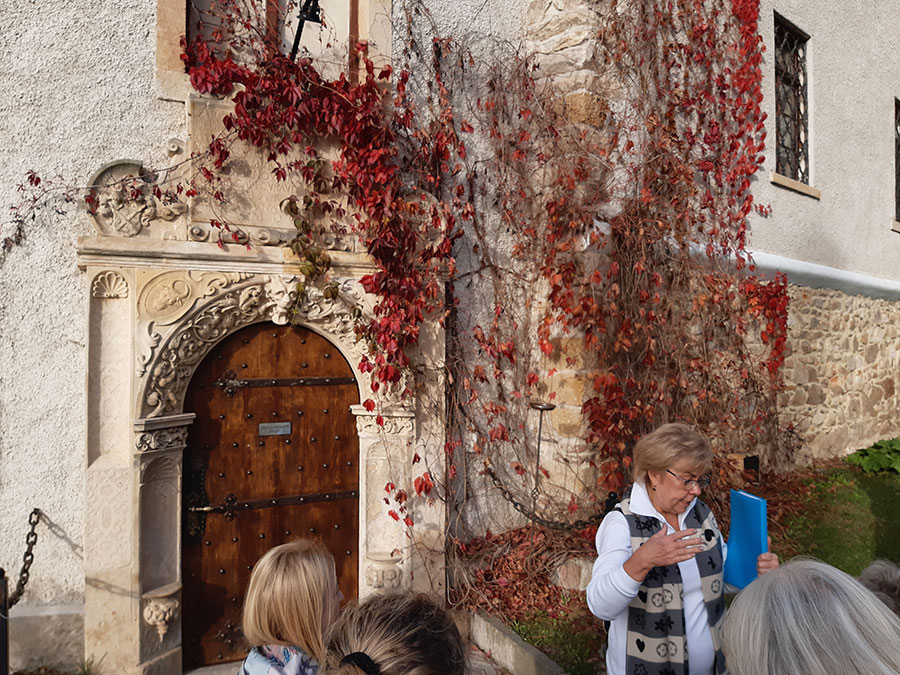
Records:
x=576, y=643
x=850, y=518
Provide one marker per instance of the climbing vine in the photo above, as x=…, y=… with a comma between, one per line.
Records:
x=586, y=250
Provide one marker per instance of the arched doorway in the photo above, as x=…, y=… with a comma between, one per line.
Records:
x=271, y=456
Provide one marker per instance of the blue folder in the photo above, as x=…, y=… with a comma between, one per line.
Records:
x=747, y=538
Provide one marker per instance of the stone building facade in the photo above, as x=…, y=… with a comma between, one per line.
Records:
x=92, y=418
x=835, y=237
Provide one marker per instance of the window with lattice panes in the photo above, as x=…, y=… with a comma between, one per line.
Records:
x=791, y=103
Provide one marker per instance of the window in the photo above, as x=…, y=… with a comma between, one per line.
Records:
x=897, y=160
x=791, y=111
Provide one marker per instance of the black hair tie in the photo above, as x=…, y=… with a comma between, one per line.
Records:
x=362, y=661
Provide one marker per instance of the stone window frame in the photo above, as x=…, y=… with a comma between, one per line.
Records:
x=370, y=21
x=791, y=81
x=895, y=226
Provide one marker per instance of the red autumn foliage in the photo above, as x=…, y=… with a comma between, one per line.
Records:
x=632, y=227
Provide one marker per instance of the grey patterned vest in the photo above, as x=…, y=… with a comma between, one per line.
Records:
x=656, y=625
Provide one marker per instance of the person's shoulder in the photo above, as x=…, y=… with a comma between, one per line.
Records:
x=256, y=663
x=613, y=524
x=297, y=662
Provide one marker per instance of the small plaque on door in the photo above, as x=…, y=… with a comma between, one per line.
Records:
x=275, y=429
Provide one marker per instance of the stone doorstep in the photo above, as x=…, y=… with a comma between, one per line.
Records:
x=509, y=650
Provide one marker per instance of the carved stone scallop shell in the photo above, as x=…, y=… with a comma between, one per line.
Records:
x=109, y=285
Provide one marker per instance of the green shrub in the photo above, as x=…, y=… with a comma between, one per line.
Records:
x=883, y=456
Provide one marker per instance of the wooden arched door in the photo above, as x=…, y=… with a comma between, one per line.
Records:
x=271, y=457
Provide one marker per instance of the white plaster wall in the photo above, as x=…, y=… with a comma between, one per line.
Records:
x=79, y=90
x=474, y=19
x=853, y=66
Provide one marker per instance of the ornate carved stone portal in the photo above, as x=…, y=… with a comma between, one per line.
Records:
x=162, y=294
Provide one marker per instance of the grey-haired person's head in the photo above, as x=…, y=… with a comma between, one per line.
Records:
x=809, y=618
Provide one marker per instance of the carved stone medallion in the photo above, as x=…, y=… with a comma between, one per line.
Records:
x=124, y=200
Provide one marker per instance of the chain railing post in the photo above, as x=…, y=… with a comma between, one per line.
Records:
x=4, y=624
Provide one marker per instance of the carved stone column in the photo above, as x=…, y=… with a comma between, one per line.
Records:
x=385, y=454
x=158, y=446
x=110, y=493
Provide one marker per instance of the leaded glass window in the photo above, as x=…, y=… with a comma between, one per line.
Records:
x=791, y=110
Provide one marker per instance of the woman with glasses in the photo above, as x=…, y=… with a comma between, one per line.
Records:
x=660, y=555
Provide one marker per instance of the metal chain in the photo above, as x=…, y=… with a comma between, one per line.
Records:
x=534, y=517
x=30, y=540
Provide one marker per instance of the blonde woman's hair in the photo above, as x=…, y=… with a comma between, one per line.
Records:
x=808, y=618
x=287, y=596
x=667, y=445
x=403, y=633
x=882, y=577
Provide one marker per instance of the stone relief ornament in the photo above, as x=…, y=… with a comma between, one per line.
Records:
x=168, y=296
x=123, y=202
x=148, y=341
x=160, y=613
x=259, y=298
x=333, y=315
x=255, y=236
x=393, y=426
x=282, y=289
x=109, y=285
x=171, y=438
x=162, y=468
x=384, y=571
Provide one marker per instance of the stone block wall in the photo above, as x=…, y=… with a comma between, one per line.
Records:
x=841, y=371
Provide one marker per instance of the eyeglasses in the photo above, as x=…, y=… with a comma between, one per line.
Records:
x=690, y=483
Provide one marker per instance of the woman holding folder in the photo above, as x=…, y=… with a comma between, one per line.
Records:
x=660, y=558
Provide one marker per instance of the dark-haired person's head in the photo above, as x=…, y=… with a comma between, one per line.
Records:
x=396, y=633
x=882, y=577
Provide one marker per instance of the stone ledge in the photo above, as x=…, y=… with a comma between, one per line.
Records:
x=508, y=650
x=795, y=185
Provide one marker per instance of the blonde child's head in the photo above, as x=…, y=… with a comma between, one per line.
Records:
x=292, y=597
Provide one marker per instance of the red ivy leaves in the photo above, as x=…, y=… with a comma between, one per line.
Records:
x=423, y=484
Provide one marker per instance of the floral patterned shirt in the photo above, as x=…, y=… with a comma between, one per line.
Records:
x=279, y=660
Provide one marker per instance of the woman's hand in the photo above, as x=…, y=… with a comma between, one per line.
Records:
x=662, y=549
x=766, y=562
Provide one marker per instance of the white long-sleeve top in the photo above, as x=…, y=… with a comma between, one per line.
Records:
x=611, y=589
